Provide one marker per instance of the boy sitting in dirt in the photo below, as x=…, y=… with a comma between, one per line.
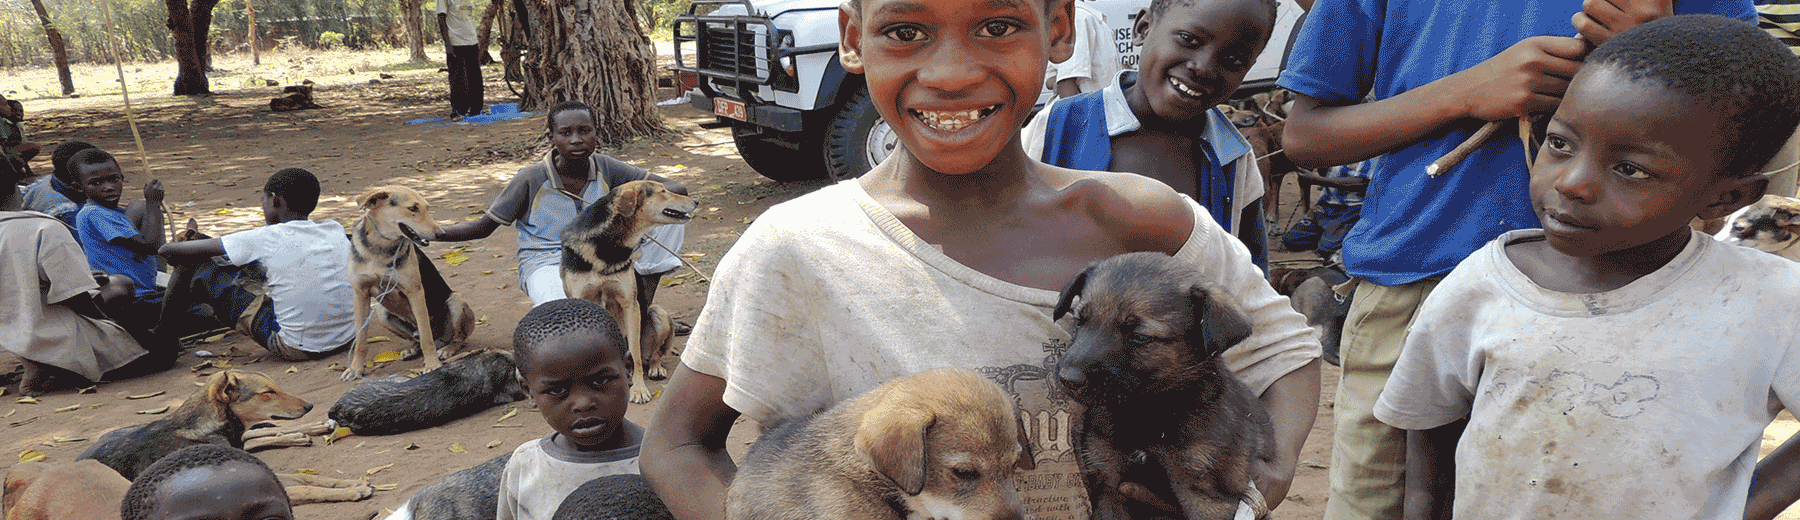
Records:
x=545, y=197
x=208, y=481
x=949, y=254
x=1623, y=364
x=1161, y=122
x=15, y=151
x=112, y=243
x=58, y=194
x=572, y=362
x=306, y=312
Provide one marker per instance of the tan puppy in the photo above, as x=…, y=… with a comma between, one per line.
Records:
x=386, y=263
x=1770, y=225
x=80, y=490
x=599, y=248
x=938, y=444
x=217, y=413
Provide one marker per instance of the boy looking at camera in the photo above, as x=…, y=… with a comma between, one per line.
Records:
x=1621, y=364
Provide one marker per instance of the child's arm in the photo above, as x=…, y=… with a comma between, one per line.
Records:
x=1528, y=77
x=472, y=230
x=149, y=219
x=508, y=207
x=1431, y=471
x=1776, y=484
x=684, y=456
x=1292, y=403
x=192, y=251
x=1601, y=20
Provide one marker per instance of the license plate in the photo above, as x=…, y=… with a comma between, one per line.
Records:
x=731, y=109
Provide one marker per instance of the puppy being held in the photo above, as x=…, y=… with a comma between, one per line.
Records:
x=938, y=444
x=1163, y=409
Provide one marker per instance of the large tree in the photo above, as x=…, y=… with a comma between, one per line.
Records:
x=595, y=51
x=191, y=21
x=415, y=27
x=56, y=47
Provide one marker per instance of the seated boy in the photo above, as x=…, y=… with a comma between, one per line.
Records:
x=1339, y=207
x=1160, y=121
x=950, y=253
x=113, y=245
x=207, y=482
x=59, y=194
x=307, y=312
x=545, y=197
x=572, y=362
x=1617, y=364
x=15, y=151
x=50, y=305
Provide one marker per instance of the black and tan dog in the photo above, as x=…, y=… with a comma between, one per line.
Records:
x=218, y=413
x=462, y=387
x=943, y=443
x=386, y=262
x=1771, y=225
x=599, y=248
x=470, y=494
x=1163, y=410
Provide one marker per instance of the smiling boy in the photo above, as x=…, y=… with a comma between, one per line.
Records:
x=1617, y=363
x=1161, y=121
x=948, y=254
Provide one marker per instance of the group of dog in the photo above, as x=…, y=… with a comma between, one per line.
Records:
x=387, y=266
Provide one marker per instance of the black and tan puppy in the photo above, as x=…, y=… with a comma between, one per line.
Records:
x=938, y=444
x=217, y=413
x=458, y=389
x=599, y=248
x=1771, y=225
x=1163, y=410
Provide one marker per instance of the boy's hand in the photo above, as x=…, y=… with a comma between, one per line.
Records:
x=153, y=191
x=1528, y=77
x=1600, y=20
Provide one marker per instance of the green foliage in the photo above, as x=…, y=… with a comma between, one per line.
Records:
x=659, y=15
x=330, y=39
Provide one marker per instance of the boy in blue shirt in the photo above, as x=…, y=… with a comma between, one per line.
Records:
x=112, y=244
x=1408, y=80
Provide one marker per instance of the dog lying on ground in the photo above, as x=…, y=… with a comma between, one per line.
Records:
x=1163, y=410
x=460, y=388
x=1770, y=225
x=218, y=413
x=613, y=497
x=470, y=494
x=386, y=262
x=80, y=490
x=599, y=248
x=937, y=444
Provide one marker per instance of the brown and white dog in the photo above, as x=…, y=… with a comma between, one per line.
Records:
x=218, y=413
x=1163, y=410
x=1770, y=225
x=941, y=444
x=386, y=262
x=599, y=248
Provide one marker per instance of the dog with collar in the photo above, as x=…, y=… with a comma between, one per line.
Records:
x=388, y=264
x=599, y=249
x=1163, y=409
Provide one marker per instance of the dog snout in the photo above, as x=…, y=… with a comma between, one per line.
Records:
x=306, y=408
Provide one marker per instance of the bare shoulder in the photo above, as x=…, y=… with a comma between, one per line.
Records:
x=1145, y=212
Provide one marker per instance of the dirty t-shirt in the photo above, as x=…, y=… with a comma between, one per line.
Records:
x=540, y=474
x=309, y=279
x=829, y=295
x=1648, y=401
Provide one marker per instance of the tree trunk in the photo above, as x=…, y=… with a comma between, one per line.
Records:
x=513, y=35
x=415, y=27
x=598, y=52
x=191, y=25
x=56, y=47
x=486, y=31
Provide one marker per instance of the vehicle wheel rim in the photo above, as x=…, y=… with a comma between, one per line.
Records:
x=881, y=143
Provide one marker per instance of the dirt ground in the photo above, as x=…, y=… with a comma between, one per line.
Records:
x=213, y=155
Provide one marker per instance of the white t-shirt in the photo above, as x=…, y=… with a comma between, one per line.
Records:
x=460, y=22
x=1648, y=401
x=309, y=279
x=1096, y=58
x=540, y=475
x=829, y=295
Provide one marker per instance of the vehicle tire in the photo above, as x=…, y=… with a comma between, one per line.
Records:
x=770, y=155
x=856, y=139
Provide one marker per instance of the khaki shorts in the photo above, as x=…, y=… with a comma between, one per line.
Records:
x=1368, y=457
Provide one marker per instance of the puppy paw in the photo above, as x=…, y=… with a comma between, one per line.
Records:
x=410, y=354
x=640, y=395
x=351, y=374
x=656, y=372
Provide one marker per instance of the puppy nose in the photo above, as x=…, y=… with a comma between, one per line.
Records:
x=1071, y=378
x=307, y=407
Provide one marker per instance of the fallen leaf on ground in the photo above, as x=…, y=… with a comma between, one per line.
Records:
x=145, y=396
x=153, y=411
x=455, y=258
x=202, y=366
x=307, y=471
x=510, y=413
x=456, y=447
x=69, y=408
x=493, y=444
x=291, y=370
x=28, y=400
x=385, y=487
x=68, y=439
x=87, y=390
x=411, y=446
x=96, y=405
x=387, y=356
x=339, y=433
x=379, y=339
x=377, y=469
x=31, y=455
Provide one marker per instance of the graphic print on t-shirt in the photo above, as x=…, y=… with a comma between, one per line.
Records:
x=1055, y=490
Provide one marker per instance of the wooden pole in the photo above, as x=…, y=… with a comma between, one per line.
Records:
x=112, y=41
x=255, y=53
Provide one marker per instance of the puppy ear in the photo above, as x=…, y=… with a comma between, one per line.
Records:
x=1066, y=301
x=892, y=440
x=222, y=387
x=373, y=197
x=1221, y=324
x=193, y=225
x=1027, y=456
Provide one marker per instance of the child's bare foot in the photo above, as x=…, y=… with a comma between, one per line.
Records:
x=40, y=379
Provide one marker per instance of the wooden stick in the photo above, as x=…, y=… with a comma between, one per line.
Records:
x=1463, y=150
x=130, y=118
